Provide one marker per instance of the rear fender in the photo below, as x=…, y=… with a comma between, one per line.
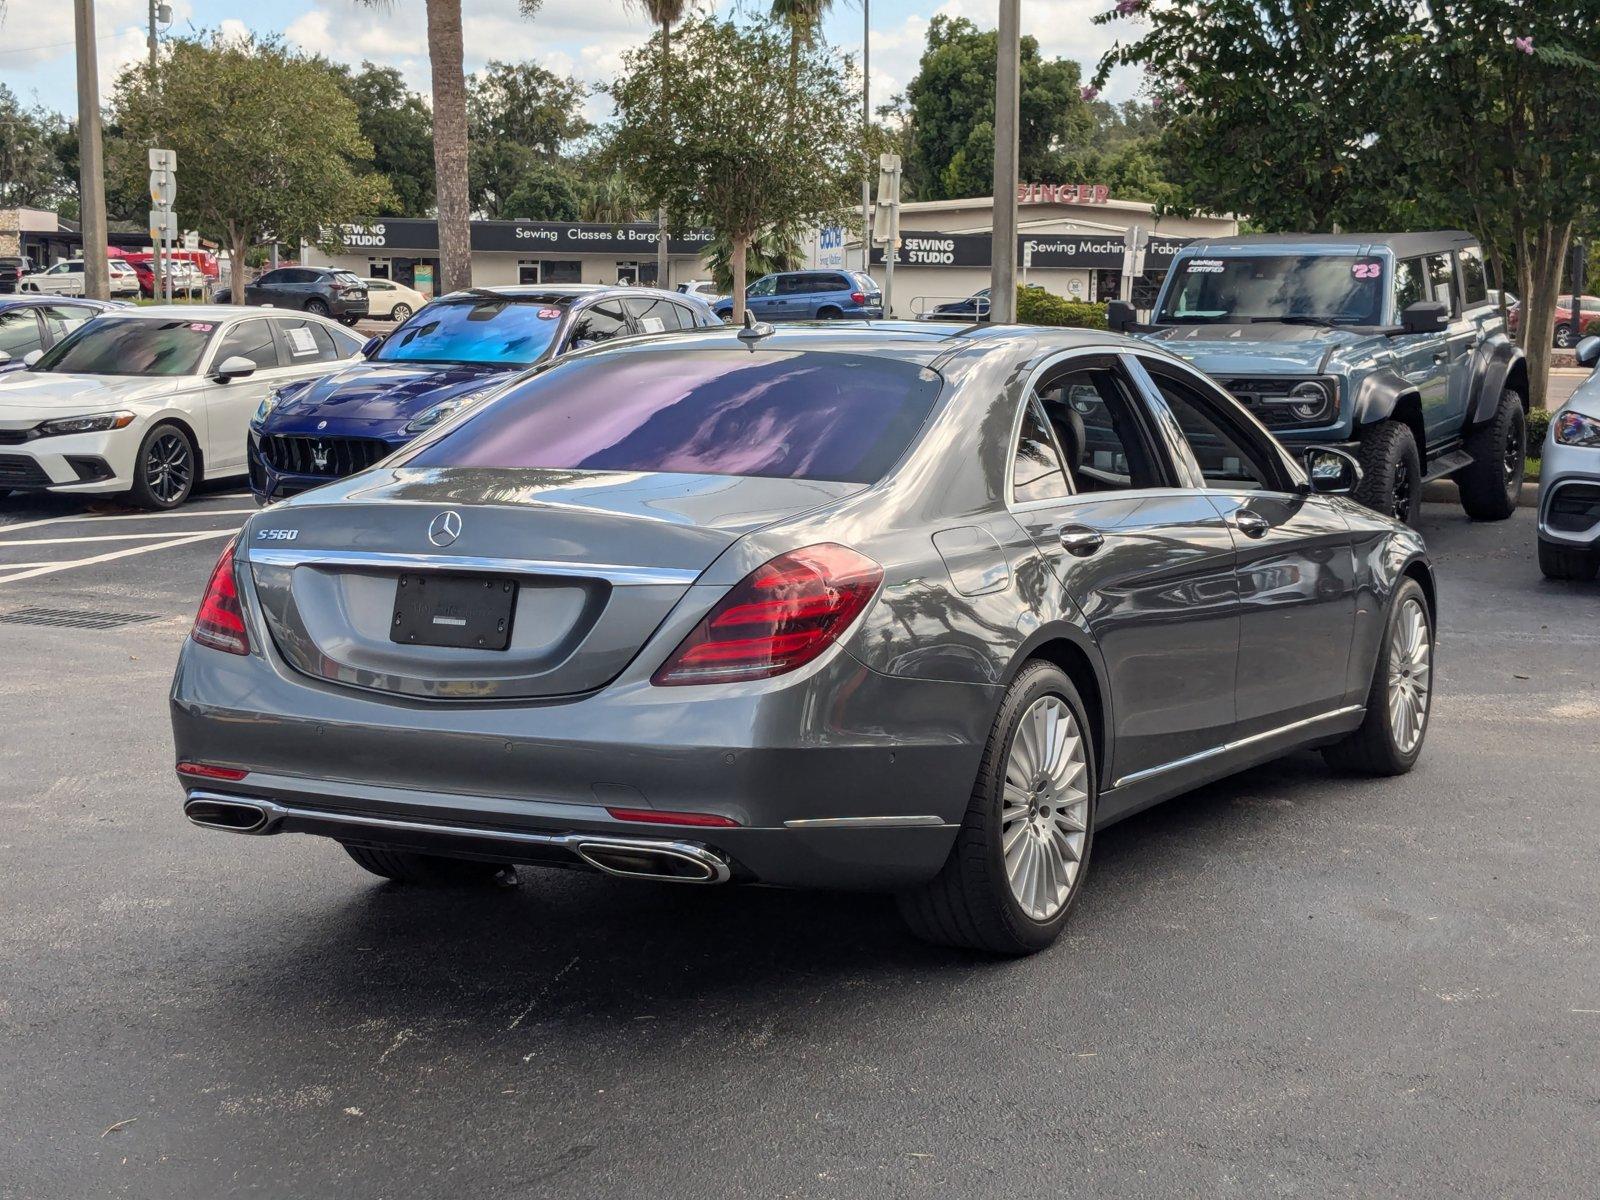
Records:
x=1502, y=365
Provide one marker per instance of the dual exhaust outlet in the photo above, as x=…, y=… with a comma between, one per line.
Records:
x=625, y=857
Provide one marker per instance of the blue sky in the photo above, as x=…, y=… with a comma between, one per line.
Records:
x=580, y=37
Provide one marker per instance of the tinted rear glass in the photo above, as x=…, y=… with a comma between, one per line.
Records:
x=783, y=414
x=489, y=330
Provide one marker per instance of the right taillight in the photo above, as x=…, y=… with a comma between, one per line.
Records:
x=858, y=297
x=779, y=617
x=220, y=621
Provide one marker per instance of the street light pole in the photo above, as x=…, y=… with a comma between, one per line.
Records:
x=866, y=124
x=157, y=266
x=91, y=178
x=1007, y=116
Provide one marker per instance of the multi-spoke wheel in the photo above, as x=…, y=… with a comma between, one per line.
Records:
x=1022, y=854
x=1398, y=703
x=1044, y=810
x=164, y=472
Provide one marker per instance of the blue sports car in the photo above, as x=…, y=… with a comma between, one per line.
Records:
x=448, y=356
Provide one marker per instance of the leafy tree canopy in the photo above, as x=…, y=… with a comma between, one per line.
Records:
x=31, y=171
x=399, y=124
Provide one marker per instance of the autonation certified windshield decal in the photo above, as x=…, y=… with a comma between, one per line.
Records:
x=1204, y=266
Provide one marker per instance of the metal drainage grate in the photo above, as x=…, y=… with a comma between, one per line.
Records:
x=74, y=618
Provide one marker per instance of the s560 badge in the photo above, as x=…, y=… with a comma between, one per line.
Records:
x=277, y=535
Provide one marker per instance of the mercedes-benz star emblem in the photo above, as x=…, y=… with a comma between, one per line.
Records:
x=445, y=529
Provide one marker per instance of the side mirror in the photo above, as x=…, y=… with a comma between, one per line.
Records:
x=4, y=358
x=1332, y=472
x=31, y=357
x=237, y=367
x=1120, y=316
x=1425, y=316
x=372, y=345
x=1588, y=352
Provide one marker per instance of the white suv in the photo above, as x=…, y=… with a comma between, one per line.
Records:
x=66, y=279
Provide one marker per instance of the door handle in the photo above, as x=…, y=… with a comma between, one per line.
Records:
x=1440, y=356
x=1079, y=540
x=1252, y=525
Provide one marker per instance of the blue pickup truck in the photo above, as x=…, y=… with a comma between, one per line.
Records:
x=1387, y=346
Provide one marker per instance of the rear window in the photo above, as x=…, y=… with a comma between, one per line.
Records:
x=777, y=414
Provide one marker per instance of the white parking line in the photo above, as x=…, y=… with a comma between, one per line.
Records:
x=96, y=537
x=159, y=516
x=56, y=568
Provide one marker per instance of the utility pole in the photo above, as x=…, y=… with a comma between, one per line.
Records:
x=157, y=266
x=91, y=174
x=1007, y=116
x=866, y=123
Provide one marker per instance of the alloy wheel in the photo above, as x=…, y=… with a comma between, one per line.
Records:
x=1516, y=452
x=168, y=467
x=1410, y=675
x=1402, y=491
x=1044, y=809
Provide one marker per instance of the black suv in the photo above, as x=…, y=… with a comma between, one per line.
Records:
x=321, y=290
x=12, y=269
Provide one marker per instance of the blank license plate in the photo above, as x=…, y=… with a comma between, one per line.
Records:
x=466, y=611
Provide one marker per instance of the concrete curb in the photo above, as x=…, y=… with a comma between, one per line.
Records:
x=1444, y=491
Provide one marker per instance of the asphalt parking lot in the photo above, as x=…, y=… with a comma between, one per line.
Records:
x=1287, y=984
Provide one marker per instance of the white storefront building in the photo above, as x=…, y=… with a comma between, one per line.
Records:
x=1073, y=240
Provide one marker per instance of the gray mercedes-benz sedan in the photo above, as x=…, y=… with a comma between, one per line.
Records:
x=900, y=607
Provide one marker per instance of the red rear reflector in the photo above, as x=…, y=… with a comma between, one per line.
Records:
x=207, y=771
x=779, y=617
x=656, y=816
x=859, y=297
x=220, y=621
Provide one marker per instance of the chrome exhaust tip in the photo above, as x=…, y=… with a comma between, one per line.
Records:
x=234, y=816
x=676, y=862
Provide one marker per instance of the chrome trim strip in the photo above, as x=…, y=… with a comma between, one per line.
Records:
x=276, y=814
x=273, y=556
x=1240, y=744
x=864, y=822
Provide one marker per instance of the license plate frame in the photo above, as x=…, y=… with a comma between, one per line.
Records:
x=453, y=611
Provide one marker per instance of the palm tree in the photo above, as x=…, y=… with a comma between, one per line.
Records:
x=803, y=19
x=445, y=56
x=665, y=13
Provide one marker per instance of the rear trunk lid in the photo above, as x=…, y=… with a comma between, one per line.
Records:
x=595, y=560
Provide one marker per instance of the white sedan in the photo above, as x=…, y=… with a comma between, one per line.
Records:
x=66, y=279
x=150, y=401
x=391, y=301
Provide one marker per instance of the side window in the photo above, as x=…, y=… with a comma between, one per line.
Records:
x=19, y=331
x=345, y=344
x=598, y=323
x=1224, y=450
x=1474, y=282
x=1407, y=285
x=653, y=314
x=1439, y=276
x=1036, y=472
x=378, y=285
x=271, y=277
x=1092, y=413
x=765, y=286
x=305, y=342
x=62, y=319
x=252, y=340
x=793, y=285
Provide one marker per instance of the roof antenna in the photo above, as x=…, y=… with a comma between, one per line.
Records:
x=753, y=330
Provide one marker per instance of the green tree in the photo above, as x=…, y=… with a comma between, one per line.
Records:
x=727, y=164
x=30, y=171
x=452, y=193
x=544, y=193
x=521, y=116
x=665, y=14
x=803, y=20
x=609, y=200
x=770, y=250
x=267, y=144
x=398, y=124
x=950, y=109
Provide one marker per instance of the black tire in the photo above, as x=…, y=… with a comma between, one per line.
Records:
x=970, y=903
x=828, y=314
x=431, y=870
x=1373, y=749
x=316, y=307
x=1563, y=339
x=1491, y=486
x=1561, y=562
x=400, y=313
x=1391, y=480
x=166, y=469
x=349, y=320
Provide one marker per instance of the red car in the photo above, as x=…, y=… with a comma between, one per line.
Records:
x=1565, y=335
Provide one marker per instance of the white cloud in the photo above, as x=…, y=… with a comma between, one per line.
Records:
x=38, y=32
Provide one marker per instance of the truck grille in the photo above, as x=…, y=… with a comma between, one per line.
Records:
x=327, y=457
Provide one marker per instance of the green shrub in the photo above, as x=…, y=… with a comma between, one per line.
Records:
x=1538, y=426
x=1591, y=327
x=1035, y=306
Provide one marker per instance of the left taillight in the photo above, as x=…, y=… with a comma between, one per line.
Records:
x=220, y=621
x=779, y=617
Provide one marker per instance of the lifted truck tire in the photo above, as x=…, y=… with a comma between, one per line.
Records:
x=1491, y=486
x=1391, y=469
x=430, y=870
x=1560, y=562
